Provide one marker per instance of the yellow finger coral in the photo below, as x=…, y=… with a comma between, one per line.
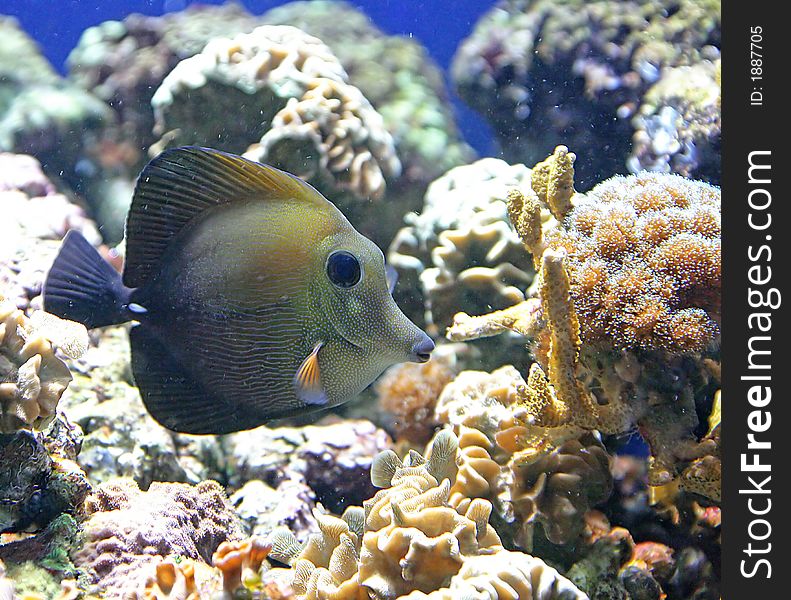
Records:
x=627, y=331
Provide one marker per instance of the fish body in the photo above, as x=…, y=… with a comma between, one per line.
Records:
x=256, y=298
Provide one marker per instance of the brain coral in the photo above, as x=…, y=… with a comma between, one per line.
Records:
x=290, y=97
x=545, y=72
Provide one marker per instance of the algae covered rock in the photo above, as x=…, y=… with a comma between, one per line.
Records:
x=549, y=72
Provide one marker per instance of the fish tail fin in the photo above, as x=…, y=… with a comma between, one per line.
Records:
x=81, y=286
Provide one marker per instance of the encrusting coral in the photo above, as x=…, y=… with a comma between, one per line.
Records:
x=628, y=329
x=296, y=106
x=128, y=531
x=408, y=542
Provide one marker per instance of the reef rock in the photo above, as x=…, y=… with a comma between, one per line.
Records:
x=537, y=73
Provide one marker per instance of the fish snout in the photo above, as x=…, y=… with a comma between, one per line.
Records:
x=421, y=351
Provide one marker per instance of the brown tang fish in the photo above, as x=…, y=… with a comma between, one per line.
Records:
x=255, y=298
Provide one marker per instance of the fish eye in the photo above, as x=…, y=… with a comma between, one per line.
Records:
x=343, y=269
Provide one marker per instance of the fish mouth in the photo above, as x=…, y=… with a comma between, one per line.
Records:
x=421, y=351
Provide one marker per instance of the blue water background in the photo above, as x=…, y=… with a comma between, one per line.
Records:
x=439, y=25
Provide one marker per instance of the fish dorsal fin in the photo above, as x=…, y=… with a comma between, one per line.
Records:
x=180, y=184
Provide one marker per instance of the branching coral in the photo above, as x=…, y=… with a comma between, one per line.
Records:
x=628, y=330
x=407, y=542
x=287, y=89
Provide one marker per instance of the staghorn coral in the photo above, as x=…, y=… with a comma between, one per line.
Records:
x=32, y=377
x=678, y=126
x=407, y=542
x=128, y=530
x=545, y=72
x=460, y=249
x=629, y=290
x=287, y=90
x=399, y=78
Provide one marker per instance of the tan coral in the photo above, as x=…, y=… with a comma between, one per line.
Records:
x=553, y=182
x=628, y=326
x=32, y=377
x=304, y=114
x=348, y=136
x=414, y=543
x=460, y=248
x=240, y=562
x=409, y=392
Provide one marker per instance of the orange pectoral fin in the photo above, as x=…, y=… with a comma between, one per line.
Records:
x=307, y=379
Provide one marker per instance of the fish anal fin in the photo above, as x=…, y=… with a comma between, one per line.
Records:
x=171, y=394
x=307, y=379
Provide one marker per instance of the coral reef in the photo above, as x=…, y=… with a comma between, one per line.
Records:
x=128, y=530
x=124, y=62
x=334, y=459
x=32, y=377
x=398, y=77
x=629, y=292
x=553, y=489
x=294, y=97
x=41, y=113
x=408, y=542
x=460, y=250
x=47, y=481
x=408, y=394
x=35, y=218
x=679, y=124
x=573, y=72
